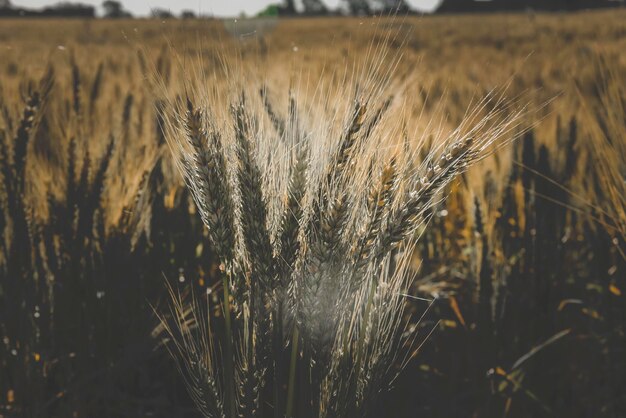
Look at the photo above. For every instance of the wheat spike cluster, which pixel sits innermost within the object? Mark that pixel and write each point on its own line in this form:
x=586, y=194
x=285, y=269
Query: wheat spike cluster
x=312, y=208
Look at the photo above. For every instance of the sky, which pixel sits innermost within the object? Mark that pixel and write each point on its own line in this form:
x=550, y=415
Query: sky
x=222, y=8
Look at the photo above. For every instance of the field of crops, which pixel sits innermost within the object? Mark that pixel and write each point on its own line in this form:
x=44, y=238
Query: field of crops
x=469, y=171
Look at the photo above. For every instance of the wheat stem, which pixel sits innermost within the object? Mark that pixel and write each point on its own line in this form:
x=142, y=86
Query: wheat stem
x=292, y=372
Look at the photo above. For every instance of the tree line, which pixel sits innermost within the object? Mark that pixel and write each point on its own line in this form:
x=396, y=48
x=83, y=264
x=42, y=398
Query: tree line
x=464, y=6
x=115, y=9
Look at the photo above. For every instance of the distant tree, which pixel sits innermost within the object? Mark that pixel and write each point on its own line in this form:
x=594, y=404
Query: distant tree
x=69, y=9
x=161, y=13
x=5, y=4
x=447, y=6
x=391, y=6
x=314, y=7
x=270, y=11
x=188, y=14
x=290, y=7
x=113, y=9
x=357, y=7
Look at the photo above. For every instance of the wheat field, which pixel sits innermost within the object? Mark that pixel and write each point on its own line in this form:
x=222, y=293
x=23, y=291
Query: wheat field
x=329, y=217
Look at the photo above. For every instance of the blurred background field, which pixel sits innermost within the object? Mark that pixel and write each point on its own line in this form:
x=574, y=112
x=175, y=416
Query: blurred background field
x=527, y=256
